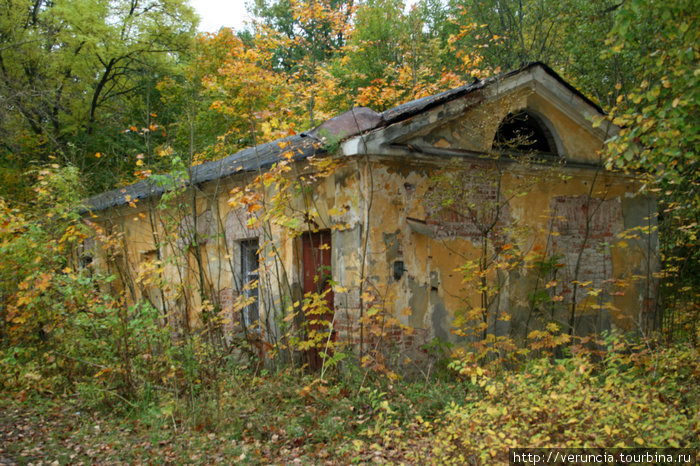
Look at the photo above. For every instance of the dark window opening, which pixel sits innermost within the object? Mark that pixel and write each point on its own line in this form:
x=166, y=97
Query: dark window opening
x=249, y=273
x=85, y=260
x=523, y=132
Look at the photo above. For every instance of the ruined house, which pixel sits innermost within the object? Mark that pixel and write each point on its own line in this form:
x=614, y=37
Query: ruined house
x=485, y=207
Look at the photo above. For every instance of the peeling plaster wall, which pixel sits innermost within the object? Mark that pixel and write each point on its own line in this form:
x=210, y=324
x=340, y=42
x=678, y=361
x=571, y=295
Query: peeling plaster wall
x=430, y=290
x=219, y=232
x=550, y=216
x=576, y=213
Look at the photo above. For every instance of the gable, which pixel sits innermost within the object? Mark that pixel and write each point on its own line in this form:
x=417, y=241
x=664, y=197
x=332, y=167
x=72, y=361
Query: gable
x=468, y=123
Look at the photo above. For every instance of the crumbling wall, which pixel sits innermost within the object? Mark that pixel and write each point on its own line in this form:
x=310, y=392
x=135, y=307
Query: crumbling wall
x=573, y=214
x=403, y=243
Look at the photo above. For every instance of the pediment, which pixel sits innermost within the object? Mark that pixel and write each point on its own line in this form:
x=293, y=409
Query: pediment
x=467, y=124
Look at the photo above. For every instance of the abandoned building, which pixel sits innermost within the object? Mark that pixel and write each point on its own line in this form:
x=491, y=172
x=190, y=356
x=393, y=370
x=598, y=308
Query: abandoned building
x=489, y=202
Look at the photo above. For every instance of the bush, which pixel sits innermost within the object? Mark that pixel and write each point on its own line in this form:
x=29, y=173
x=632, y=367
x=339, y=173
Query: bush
x=631, y=398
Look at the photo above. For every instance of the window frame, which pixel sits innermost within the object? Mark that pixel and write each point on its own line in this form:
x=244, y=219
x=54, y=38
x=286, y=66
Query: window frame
x=249, y=270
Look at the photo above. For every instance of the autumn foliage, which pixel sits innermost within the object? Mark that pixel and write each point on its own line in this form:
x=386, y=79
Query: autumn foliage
x=98, y=95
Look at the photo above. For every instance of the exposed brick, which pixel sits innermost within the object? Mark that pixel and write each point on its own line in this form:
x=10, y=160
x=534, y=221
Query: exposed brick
x=572, y=237
x=463, y=220
x=227, y=297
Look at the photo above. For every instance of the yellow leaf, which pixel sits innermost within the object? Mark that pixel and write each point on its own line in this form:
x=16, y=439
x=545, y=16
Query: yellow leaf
x=44, y=283
x=552, y=327
x=102, y=372
x=639, y=440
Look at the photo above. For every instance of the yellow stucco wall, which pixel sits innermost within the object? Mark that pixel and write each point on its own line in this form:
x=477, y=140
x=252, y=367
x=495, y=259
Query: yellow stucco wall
x=382, y=195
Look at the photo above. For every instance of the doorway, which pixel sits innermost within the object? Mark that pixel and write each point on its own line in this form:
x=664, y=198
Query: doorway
x=317, y=278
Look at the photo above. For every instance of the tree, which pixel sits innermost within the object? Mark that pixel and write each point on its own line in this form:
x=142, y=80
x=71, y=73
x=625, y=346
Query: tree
x=193, y=124
x=393, y=56
x=306, y=28
x=660, y=136
x=72, y=73
x=500, y=35
x=257, y=101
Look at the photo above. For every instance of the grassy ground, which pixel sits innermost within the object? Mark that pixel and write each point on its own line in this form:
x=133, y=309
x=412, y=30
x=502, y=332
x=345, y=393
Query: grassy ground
x=52, y=434
x=647, y=399
x=272, y=419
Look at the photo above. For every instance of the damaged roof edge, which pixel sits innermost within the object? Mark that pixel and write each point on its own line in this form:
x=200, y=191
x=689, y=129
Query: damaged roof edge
x=250, y=159
x=409, y=109
x=563, y=82
x=348, y=124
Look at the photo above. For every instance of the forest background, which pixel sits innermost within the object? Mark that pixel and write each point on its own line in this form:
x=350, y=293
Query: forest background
x=97, y=94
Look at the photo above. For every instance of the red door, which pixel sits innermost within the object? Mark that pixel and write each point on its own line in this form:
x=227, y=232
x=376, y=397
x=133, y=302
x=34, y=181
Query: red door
x=316, y=268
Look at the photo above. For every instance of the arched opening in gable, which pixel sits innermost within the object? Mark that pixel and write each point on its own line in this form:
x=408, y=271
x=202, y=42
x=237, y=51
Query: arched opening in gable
x=524, y=131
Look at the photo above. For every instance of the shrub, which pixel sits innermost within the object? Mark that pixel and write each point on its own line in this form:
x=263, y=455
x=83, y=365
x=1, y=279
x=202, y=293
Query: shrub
x=631, y=398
